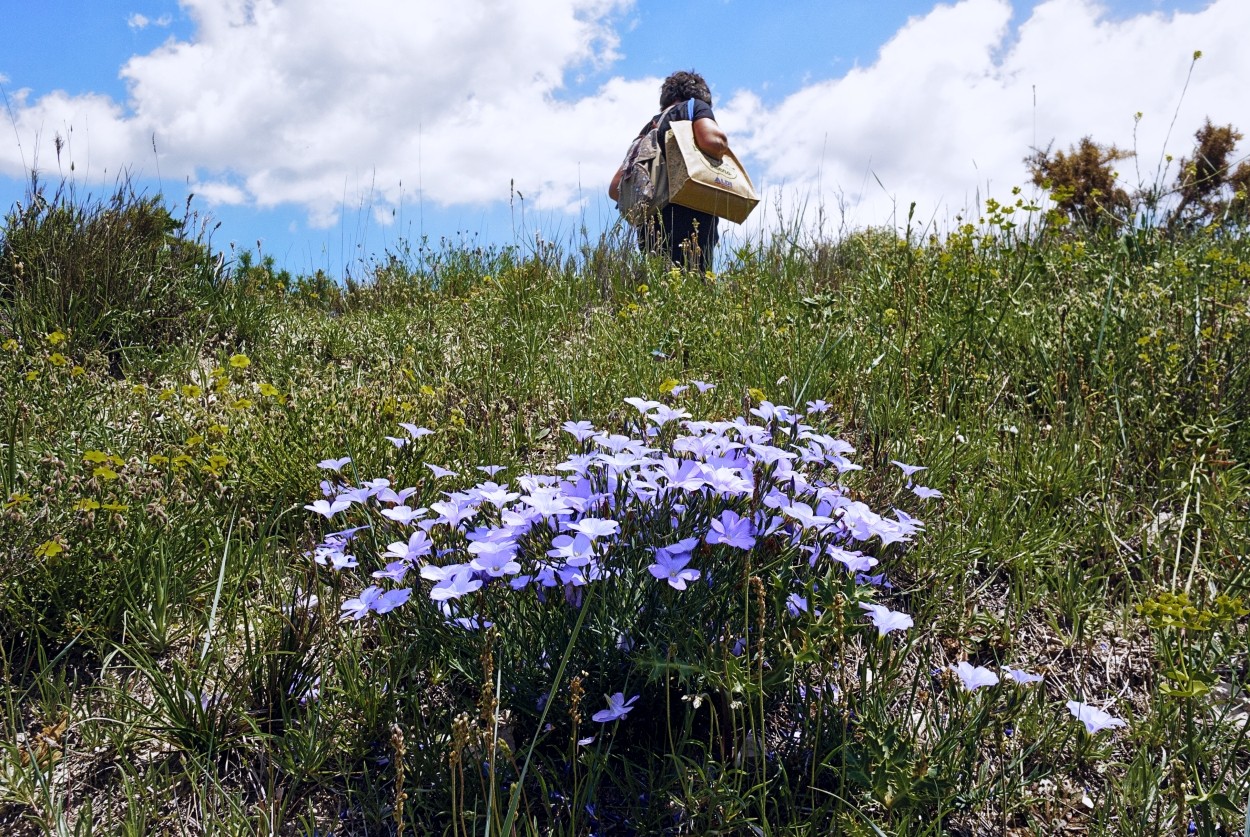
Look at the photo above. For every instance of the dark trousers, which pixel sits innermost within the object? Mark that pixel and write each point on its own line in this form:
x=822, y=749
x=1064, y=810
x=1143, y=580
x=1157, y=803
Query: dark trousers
x=688, y=236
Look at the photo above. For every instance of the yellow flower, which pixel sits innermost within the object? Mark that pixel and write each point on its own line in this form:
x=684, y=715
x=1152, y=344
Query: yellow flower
x=216, y=463
x=667, y=385
x=116, y=507
x=757, y=395
x=106, y=473
x=195, y=440
x=57, y=337
x=167, y=394
x=218, y=430
x=426, y=389
x=32, y=375
x=139, y=389
x=158, y=459
x=86, y=504
x=10, y=345
x=48, y=549
x=240, y=361
x=191, y=391
x=77, y=371
x=218, y=372
x=95, y=457
x=269, y=391
x=16, y=500
x=242, y=404
x=58, y=359
x=181, y=460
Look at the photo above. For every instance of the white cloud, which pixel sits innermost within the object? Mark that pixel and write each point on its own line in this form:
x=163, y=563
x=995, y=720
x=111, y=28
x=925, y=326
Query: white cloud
x=321, y=104
x=946, y=113
x=316, y=102
x=138, y=21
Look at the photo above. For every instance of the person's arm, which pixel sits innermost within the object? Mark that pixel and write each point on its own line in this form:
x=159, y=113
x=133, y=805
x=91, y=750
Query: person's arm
x=710, y=138
x=614, y=188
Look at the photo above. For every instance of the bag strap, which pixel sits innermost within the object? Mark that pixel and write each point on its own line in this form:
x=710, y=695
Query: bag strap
x=690, y=110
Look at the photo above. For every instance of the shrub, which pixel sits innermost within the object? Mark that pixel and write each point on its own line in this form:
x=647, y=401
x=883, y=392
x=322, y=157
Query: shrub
x=114, y=273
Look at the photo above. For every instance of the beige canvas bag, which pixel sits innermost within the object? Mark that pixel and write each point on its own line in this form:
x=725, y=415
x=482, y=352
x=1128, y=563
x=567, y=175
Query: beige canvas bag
x=698, y=181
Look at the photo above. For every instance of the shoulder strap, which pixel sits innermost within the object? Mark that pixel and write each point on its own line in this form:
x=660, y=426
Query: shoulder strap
x=690, y=110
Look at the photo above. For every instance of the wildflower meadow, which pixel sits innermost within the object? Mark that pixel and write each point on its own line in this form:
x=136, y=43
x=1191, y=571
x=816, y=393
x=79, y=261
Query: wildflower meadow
x=876, y=533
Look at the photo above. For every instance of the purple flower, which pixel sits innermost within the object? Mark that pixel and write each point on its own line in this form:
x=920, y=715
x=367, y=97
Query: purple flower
x=547, y=502
x=459, y=584
x=359, y=607
x=414, y=431
x=908, y=522
x=490, y=470
x=817, y=406
x=579, y=430
x=395, y=571
x=594, y=527
x=664, y=414
x=335, y=465
x=403, y=515
x=885, y=619
x=618, y=708
x=494, y=558
x=673, y=569
x=727, y=481
x=334, y=558
x=418, y=546
x=439, y=471
x=452, y=513
x=642, y=405
x=878, y=580
x=974, y=677
x=392, y=599
x=328, y=508
x=1021, y=677
x=806, y=518
x=767, y=411
x=703, y=386
x=1095, y=719
x=732, y=530
x=576, y=550
x=908, y=470
x=796, y=604
x=497, y=495
x=855, y=562
x=390, y=495
x=925, y=493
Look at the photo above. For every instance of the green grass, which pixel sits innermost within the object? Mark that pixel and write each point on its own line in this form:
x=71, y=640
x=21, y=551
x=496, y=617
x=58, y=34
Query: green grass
x=1080, y=401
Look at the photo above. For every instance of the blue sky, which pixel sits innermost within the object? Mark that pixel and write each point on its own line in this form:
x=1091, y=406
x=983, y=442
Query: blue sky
x=331, y=135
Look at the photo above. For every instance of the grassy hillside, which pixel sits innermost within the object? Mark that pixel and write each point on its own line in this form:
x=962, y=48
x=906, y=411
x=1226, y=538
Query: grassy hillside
x=178, y=652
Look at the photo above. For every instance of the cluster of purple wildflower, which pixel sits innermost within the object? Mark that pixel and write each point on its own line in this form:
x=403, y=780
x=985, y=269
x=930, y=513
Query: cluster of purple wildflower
x=760, y=477
x=682, y=490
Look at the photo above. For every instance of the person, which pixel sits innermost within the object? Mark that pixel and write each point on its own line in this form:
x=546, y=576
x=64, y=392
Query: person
x=688, y=235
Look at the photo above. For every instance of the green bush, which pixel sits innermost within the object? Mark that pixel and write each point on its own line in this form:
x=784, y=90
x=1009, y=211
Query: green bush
x=113, y=273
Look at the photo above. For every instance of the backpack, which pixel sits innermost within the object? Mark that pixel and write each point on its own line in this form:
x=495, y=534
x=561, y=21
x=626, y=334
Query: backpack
x=644, y=184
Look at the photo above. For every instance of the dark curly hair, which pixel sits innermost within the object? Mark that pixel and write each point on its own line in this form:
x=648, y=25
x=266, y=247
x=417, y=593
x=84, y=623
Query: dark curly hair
x=683, y=85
